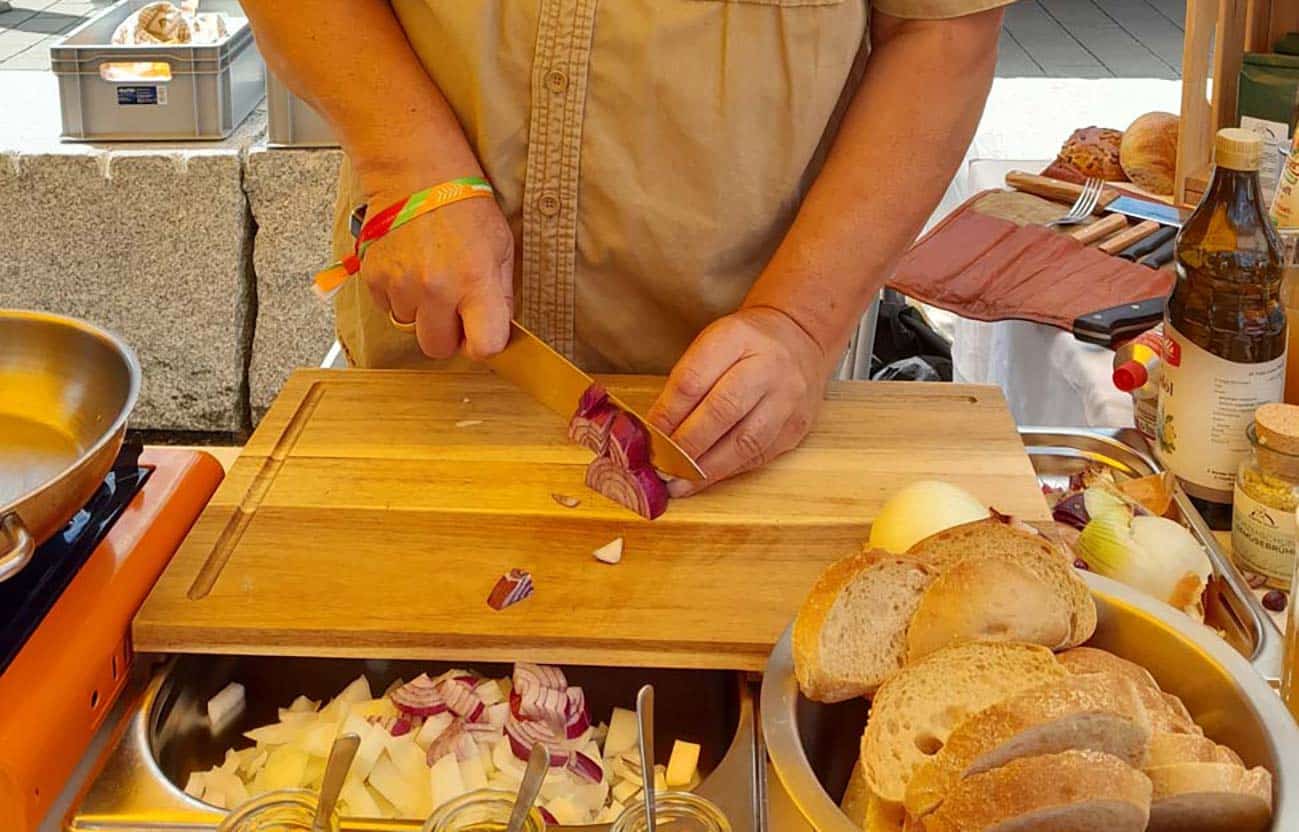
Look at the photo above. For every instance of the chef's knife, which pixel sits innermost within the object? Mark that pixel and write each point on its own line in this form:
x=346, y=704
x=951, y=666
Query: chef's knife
x=1145, y=209
x=550, y=378
x=1113, y=326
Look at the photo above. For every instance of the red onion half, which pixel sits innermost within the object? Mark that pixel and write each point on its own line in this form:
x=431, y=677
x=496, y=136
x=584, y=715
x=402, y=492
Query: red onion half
x=628, y=443
x=639, y=489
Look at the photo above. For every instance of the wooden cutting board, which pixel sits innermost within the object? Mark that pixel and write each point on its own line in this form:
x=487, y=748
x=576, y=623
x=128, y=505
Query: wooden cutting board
x=372, y=511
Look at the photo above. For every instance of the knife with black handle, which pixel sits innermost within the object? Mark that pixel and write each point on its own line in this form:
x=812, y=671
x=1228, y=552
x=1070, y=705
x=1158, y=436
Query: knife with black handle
x=1111, y=327
x=1150, y=244
x=1159, y=256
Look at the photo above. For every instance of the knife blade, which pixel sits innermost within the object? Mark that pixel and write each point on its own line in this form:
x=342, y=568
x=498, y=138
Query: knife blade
x=1145, y=209
x=533, y=366
x=1113, y=326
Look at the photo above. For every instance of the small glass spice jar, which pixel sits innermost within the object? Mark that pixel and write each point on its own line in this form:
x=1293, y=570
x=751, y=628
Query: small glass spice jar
x=1266, y=496
x=485, y=810
x=286, y=810
x=678, y=811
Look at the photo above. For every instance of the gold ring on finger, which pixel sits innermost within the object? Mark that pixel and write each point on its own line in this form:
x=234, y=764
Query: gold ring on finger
x=404, y=327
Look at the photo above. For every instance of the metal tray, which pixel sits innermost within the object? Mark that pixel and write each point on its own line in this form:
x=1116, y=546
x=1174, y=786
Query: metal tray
x=138, y=787
x=1231, y=608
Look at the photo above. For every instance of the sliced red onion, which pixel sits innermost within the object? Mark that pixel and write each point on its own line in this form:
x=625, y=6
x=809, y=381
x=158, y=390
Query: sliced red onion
x=545, y=705
x=468, y=679
x=527, y=674
x=1072, y=511
x=639, y=489
x=592, y=432
x=418, y=697
x=446, y=743
x=484, y=729
x=592, y=398
x=547, y=816
x=628, y=443
x=585, y=768
x=496, y=715
x=462, y=700
x=521, y=740
x=466, y=747
x=401, y=726
x=579, y=719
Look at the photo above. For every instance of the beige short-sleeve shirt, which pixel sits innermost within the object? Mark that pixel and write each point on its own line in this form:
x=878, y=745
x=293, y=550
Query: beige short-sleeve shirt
x=649, y=154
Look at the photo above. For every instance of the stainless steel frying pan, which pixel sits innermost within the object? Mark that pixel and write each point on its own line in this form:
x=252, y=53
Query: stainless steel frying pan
x=66, y=390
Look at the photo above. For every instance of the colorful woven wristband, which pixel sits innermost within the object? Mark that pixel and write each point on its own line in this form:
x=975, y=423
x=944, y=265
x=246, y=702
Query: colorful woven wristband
x=327, y=282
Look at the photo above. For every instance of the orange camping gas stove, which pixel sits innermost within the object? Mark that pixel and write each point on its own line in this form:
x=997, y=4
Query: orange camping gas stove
x=65, y=619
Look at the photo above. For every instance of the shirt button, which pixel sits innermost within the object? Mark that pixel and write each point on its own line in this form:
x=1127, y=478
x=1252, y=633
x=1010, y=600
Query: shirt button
x=557, y=81
x=548, y=204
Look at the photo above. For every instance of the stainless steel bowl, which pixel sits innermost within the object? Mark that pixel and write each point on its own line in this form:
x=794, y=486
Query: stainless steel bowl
x=66, y=390
x=812, y=747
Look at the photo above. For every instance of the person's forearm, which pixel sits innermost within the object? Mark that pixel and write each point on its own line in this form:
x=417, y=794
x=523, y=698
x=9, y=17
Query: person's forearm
x=900, y=143
x=351, y=61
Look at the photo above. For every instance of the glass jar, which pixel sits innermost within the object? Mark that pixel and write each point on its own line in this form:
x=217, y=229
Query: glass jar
x=287, y=810
x=1266, y=496
x=485, y=810
x=678, y=811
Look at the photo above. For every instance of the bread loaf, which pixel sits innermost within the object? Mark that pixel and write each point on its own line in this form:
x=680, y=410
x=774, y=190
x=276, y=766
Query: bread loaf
x=1088, y=152
x=1210, y=797
x=915, y=711
x=1167, y=713
x=1168, y=749
x=1148, y=152
x=850, y=632
x=1098, y=712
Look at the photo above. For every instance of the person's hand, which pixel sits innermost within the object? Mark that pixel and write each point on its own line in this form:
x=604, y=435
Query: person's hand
x=745, y=392
x=450, y=272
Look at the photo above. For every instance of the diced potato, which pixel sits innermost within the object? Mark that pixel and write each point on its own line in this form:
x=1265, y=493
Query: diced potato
x=314, y=774
x=357, y=691
x=196, y=783
x=411, y=798
x=383, y=708
x=509, y=766
x=224, y=708
x=215, y=798
x=284, y=768
x=228, y=785
x=231, y=763
x=278, y=733
x=409, y=757
x=590, y=796
x=661, y=778
x=489, y=690
x=432, y=729
x=320, y=739
x=445, y=780
x=473, y=772
x=386, y=809
x=485, y=754
x=622, y=732
x=566, y=811
x=298, y=717
x=304, y=705
x=599, y=732
x=357, y=801
x=682, y=763
x=374, y=739
x=557, y=783
x=625, y=767
x=610, y=813
x=626, y=791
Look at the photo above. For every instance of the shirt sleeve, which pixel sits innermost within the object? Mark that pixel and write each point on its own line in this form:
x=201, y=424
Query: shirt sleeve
x=935, y=9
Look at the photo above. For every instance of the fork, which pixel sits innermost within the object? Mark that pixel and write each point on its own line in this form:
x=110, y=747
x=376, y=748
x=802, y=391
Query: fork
x=1083, y=206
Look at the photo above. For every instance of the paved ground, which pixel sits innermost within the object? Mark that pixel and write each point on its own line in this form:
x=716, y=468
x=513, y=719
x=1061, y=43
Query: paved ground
x=1042, y=38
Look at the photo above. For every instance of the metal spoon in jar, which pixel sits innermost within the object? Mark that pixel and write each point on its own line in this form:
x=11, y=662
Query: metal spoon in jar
x=645, y=740
x=340, y=762
x=533, y=775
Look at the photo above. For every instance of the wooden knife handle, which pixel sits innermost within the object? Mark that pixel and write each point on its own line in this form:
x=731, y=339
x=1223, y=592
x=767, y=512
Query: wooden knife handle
x=1056, y=190
x=1100, y=229
x=1123, y=239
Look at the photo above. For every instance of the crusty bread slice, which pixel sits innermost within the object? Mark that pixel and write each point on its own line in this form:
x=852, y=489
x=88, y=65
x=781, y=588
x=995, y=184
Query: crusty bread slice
x=856, y=796
x=1169, y=749
x=996, y=539
x=1210, y=797
x=1167, y=713
x=1097, y=711
x=988, y=599
x=1074, y=791
x=849, y=634
x=914, y=712
x=882, y=816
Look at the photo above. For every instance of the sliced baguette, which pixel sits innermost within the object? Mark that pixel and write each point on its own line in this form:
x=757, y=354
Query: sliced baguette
x=849, y=634
x=856, y=797
x=1074, y=791
x=988, y=599
x=915, y=711
x=882, y=816
x=1167, y=713
x=1210, y=797
x=1169, y=749
x=993, y=538
x=1097, y=711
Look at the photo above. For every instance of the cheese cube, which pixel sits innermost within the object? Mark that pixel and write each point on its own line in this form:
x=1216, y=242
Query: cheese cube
x=622, y=732
x=626, y=791
x=682, y=763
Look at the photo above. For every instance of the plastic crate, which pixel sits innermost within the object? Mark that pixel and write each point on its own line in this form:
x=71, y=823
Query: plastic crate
x=291, y=122
x=210, y=90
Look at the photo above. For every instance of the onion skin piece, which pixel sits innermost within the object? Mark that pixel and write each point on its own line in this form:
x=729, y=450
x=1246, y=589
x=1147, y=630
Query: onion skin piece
x=639, y=489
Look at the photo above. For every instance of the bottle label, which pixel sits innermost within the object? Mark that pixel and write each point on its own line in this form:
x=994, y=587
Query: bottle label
x=1285, y=202
x=1205, y=405
x=1145, y=414
x=1262, y=538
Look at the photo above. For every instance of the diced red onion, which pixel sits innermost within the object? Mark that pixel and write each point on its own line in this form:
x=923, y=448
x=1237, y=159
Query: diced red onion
x=547, y=816
x=462, y=700
x=639, y=489
x=585, y=768
x=579, y=719
x=418, y=697
x=401, y=726
x=527, y=674
x=446, y=743
x=628, y=443
x=522, y=739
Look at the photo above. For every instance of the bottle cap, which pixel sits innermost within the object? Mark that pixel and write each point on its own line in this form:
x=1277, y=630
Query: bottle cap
x=1237, y=149
x=1130, y=375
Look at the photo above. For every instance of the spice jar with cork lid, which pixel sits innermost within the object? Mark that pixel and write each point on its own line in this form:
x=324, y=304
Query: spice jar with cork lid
x=1263, y=529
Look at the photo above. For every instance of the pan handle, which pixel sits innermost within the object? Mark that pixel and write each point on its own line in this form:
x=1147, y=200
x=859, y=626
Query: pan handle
x=20, y=544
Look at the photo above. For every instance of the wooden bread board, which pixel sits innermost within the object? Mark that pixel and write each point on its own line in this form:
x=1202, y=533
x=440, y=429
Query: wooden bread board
x=361, y=521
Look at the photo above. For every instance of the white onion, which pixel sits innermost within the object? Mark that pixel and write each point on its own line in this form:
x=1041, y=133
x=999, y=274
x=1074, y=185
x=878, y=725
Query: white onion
x=922, y=509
